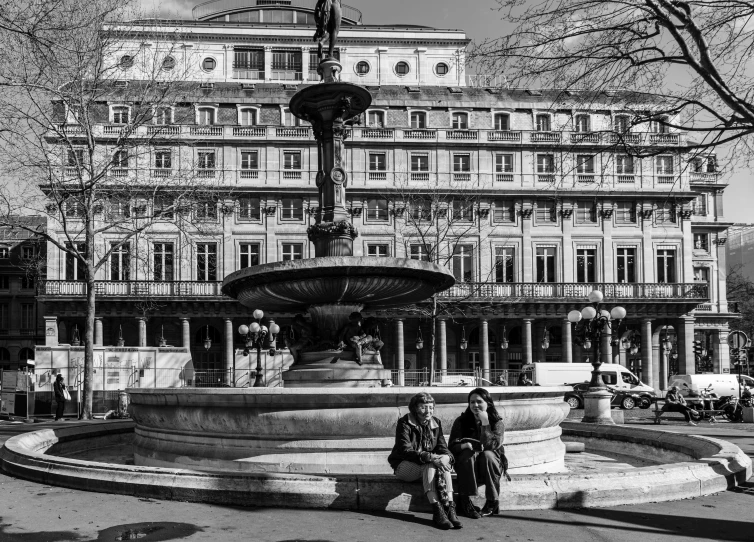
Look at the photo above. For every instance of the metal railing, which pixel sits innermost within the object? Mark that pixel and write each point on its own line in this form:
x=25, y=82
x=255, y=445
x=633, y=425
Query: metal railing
x=122, y=288
x=454, y=377
x=569, y=290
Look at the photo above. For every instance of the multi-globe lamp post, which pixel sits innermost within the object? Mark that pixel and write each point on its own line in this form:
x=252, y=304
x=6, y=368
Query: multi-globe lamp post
x=591, y=322
x=255, y=334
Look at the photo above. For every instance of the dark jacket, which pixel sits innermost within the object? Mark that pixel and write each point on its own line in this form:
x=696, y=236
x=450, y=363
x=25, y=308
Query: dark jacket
x=408, y=437
x=466, y=427
x=58, y=386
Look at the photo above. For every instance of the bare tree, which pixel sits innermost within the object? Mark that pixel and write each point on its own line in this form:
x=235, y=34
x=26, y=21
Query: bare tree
x=740, y=289
x=695, y=57
x=85, y=117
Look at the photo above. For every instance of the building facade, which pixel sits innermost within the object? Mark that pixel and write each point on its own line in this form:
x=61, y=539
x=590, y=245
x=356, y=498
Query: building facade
x=544, y=202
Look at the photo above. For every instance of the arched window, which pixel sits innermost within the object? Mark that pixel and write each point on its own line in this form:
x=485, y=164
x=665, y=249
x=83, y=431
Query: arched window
x=207, y=331
x=4, y=355
x=25, y=355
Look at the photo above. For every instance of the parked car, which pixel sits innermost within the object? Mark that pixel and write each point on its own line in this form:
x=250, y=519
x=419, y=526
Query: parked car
x=624, y=399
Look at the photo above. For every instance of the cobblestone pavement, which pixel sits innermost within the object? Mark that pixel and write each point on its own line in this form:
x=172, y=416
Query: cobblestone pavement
x=32, y=512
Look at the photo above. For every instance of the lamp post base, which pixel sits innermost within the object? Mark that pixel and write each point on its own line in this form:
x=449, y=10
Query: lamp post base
x=597, y=407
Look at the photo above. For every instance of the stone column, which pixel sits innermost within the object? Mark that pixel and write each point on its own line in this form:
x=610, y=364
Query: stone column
x=567, y=346
x=720, y=351
x=142, y=331
x=484, y=347
x=442, y=346
x=268, y=63
x=400, y=357
x=186, y=333
x=606, y=349
x=528, y=350
x=51, y=331
x=685, y=337
x=98, y=336
x=229, y=354
x=647, y=373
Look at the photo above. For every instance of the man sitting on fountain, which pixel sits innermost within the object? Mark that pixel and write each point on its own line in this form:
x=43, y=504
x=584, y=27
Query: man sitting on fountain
x=354, y=336
x=303, y=335
x=420, y=452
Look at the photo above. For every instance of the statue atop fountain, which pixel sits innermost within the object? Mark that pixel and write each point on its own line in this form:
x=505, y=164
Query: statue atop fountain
x=327, y=16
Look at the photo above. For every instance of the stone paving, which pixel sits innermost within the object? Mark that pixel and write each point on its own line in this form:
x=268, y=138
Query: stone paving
x=31, y=512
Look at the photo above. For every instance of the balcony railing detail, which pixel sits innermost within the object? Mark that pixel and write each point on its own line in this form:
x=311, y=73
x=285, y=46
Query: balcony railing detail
x=164, y=130
x=378, y=176
x=628, y=139
x=294, y=133
x=546, y=179
x=507, y=291
x=464, y=135
x=705, y=177
x=504, y=177
x=255, y=75
x=377, y=133
x=161, y=173
x=545, y=137
x=665, y=179
x=664, y=139
x=211, y=131
x=579, y=292
x=419, y=134
x=499, y=135
x=626, y=179
x=249, y=131
x=462, y=177
x=249, y=173
x=419, y=176
x=585, y=137
x=286, y=75
x=585, y=178
x=291, y=174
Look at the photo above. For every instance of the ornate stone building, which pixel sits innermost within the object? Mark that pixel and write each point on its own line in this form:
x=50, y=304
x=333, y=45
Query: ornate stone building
x=548, y=202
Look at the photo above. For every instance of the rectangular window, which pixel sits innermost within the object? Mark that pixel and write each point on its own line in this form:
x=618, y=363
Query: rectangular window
x=545, y=163
x=292, y=160
x=700, y=205
x=120, y=115
x=163, y=260
x=504, y=163
x=377, y=161
x=377, y=209
x=205, y=210
x=585, y=164
x=626, y=264
x=502, y=122
x=701, y=241
x=504, y=212
x=504, y=264
x=586, y=212
x=248, y=59
x=4, y=253
x=622, y=124
x=292, y=251
x=163, y=159
x=463, y=210
x=419, y=162
x=666, y=265
x=206, y=160
x=461, y=163
x=286, y=60
x=586, y=265
x=292, y=209
x=460, y=121
x=419, y=251
x=625, y=212
x=664, y=165
x=624, y=164
x=659, y=126
x=4, y=316
x=421, y=210
x=164, y=208
x=701, y=274
x=74, y=267
x=379, y=251
x=120, y=159
x=665, y=214
x=27, y=316
x=249, y=209
x=546, y=264
x=27, y=253
x=543, y=123
x=120, y=261
x=582, y=123
x=546, y=212
x=463, y=263
x=418, y=120
x=206, y=262
x=247, y=117
x=162, y=116
x=376, y=119
x=75, y=158
x=27, y=282
x=248, y=255
x=249, y=160
x=4, y=282
x=206, y=116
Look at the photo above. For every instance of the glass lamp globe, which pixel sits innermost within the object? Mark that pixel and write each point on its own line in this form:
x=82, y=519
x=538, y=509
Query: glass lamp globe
x=587, y=313
x=618, y=313
x=574, y=317
x=464, y=344
x=596, y=296
x=545, y=344
x=243, y=329
x=419, y=344
x=634, y=350
x=274, y=329
x=605, y=314
x=587, y=344
x=207, y=343
x=504, y=344
x=264, y=329
x=258, y=314
x=254, y=327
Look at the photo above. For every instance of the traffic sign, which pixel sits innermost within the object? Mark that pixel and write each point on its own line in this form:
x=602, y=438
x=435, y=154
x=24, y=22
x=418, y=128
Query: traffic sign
x=737, y=339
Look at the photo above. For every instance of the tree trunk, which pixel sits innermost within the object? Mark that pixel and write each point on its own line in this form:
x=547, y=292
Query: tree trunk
x=86, y=413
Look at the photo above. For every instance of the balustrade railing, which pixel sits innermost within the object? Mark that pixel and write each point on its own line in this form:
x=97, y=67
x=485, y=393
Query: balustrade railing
x=569, y=290
x=129, y=288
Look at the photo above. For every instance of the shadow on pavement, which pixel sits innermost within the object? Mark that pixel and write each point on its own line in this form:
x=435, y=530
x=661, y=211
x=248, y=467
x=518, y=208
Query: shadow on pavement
x=47, y=536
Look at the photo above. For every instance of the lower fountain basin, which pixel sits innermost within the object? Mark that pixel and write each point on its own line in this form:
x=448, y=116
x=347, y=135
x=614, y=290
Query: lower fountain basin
x=324, y=430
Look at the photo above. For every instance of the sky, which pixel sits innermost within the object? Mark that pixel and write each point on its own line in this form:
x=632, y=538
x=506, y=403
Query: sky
x=481, y=20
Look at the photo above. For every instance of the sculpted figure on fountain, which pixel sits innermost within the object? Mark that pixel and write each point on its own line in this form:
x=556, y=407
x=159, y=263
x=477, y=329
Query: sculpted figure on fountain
x=302, y=337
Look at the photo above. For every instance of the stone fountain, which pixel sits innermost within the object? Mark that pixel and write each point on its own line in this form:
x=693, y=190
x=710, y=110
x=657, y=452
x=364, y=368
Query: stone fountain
x=336, y=348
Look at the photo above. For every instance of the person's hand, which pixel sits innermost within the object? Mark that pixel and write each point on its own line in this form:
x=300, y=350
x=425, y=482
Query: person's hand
x=467, y=446
x=483, y=417
x=441, y=462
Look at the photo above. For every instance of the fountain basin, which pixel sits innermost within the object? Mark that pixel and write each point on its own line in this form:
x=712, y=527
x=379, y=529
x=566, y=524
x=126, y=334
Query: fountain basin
x=324, y=430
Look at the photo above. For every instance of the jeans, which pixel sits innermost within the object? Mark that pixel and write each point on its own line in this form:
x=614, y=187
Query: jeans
x=476, y=468
x=411, y=472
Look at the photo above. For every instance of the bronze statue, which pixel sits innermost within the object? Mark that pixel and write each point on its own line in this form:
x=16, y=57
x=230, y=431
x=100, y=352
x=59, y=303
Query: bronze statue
x=302, y=336
x=327, y=15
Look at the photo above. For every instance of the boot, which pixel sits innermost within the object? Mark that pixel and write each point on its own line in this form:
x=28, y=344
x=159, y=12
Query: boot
x=467, y=508
x=439, y=518
x=491, y=508
x=450, y=510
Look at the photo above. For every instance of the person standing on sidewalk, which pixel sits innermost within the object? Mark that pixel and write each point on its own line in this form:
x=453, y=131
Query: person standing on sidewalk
x=60, y=396
x=674, y=402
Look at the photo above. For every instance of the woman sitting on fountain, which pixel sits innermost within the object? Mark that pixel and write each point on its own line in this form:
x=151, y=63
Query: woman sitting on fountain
x=476, y=441
x=420, y=451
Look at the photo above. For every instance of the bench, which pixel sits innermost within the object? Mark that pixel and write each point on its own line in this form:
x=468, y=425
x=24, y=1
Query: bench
x=710, y=414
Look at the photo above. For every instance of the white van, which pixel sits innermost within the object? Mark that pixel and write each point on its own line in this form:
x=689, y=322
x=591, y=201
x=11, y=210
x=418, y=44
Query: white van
x=613, y=374
x=721, y=384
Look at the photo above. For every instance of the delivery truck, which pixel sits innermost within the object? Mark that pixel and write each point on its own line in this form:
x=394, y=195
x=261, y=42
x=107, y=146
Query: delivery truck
x=614, y=375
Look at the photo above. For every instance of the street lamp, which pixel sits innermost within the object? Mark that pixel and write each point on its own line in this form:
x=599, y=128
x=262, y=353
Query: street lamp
x=503, y=340
x=255, y=335
x=545, y=339
x=590, y=322
x=207, y=340
x=419, y=339
x=464, y=343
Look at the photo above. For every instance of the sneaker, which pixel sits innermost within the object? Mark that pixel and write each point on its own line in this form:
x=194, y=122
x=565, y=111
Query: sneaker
x=691, y=423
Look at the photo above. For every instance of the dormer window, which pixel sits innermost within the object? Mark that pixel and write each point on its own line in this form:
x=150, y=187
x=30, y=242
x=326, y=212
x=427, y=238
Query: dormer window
x=460, y=121
x=659, y=125
x=163, y=116
x=289, y=119
x=206, y=116
x=622, y=124
x=247, y=117
x=582, y=123
x=120, y=115
x=418, y=120
x=543, y=123
x=502, y=122
x=376, y=119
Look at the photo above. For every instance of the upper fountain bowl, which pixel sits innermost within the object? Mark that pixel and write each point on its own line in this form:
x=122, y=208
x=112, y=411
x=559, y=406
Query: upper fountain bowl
x=372, y=282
